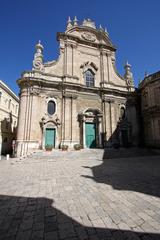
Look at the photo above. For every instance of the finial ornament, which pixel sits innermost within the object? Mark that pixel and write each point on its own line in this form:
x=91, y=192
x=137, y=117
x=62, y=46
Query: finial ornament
x=128, y=76
x=100, y=27
x=69, y=23
x=106, y=32
x=75, y=21
x=39, y=46
x=146, y=74
x=38, y=57
x=69, y=20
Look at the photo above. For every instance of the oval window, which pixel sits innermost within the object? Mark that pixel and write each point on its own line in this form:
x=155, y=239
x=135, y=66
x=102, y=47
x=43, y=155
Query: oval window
x=51, y=107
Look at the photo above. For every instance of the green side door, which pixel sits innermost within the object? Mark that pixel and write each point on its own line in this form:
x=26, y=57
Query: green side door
x=50, y=137
x=90, y=135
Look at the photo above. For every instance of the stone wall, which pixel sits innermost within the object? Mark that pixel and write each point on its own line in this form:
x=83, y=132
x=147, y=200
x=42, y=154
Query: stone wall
x=9, y=106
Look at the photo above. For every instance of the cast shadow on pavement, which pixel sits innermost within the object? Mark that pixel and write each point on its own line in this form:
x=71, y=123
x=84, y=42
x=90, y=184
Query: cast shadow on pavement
x=26, y=218
x=135, y=173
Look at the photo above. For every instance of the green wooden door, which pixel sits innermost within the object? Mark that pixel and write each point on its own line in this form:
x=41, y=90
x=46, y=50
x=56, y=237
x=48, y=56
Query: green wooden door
x=50, y=137
x=90, y=135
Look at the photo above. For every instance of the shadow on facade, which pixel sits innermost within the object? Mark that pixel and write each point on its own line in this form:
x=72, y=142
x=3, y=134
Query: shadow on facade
x=36, y=218
x=124, y=166
x=8, y=134
x=129, y=128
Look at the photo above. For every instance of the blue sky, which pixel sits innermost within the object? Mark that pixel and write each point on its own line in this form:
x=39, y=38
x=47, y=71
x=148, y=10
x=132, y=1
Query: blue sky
x=133, y=26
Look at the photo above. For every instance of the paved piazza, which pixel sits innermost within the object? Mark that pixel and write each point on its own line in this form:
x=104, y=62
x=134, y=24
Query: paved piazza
x=87, y=194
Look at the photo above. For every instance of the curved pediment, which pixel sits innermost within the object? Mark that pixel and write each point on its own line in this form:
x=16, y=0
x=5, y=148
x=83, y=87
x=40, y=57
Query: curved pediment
x=88, y=34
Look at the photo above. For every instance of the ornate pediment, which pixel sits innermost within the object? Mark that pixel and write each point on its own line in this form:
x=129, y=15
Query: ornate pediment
x=86, y=33
x=50, y=121
x=89, y=65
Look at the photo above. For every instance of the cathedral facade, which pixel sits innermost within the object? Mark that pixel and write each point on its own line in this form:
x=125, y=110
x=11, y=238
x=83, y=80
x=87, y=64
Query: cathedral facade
x=79, y=98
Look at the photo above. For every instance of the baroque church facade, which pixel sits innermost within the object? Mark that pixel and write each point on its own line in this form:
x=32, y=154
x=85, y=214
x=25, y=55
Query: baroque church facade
x=78, y=99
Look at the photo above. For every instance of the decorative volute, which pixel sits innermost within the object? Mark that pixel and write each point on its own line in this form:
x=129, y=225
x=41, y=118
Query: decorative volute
x=38, y=57
x=128, y=75
x=69, y=23
x=75, y=21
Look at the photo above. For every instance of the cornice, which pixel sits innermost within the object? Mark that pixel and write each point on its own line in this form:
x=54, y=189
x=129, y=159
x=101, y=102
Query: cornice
x=150, y=79
x=30, y=82
x=40, y=77
x=9, y=91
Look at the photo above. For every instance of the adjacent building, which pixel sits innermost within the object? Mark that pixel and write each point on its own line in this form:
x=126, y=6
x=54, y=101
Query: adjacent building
x=9, y=105
x=150, y=109
x=80, y=97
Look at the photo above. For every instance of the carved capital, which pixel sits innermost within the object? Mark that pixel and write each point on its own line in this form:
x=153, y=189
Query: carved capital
x=34, y=91
x=70, y=95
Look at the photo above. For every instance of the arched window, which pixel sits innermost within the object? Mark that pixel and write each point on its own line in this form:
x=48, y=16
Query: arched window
x=51, y=107
x=122, y=113
x=89, y=77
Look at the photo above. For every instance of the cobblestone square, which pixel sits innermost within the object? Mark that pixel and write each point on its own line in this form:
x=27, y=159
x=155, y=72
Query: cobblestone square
x=87, y=194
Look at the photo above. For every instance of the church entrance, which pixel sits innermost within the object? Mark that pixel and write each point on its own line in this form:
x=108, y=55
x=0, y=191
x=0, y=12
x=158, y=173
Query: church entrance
x=50, y=137
x=90, y=135
x=90, y=128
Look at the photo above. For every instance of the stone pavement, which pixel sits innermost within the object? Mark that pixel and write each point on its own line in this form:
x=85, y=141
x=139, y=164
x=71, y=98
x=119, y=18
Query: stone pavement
x=85, y=194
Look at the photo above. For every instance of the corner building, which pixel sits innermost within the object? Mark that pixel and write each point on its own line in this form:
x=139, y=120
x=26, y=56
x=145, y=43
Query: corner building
x=80, y=98
x=150, y=109
x=9, y=104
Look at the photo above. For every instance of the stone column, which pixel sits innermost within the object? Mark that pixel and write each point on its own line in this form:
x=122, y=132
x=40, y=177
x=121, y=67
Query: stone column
x=108, y=121
x=104, y=121
x=34, y=130
x=22, y=122
x=63, y=118
x=111, y=117
x=70, y=122
x=101, y=68
x=108, y=66
x=105, y=63
x=100, y=131
x=69, y=59
x=84, y=131
x=67, y=125
x=75, y=129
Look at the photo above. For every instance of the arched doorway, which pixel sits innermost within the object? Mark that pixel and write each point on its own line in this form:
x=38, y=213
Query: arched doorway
x=90, y=128
x=49, y=134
